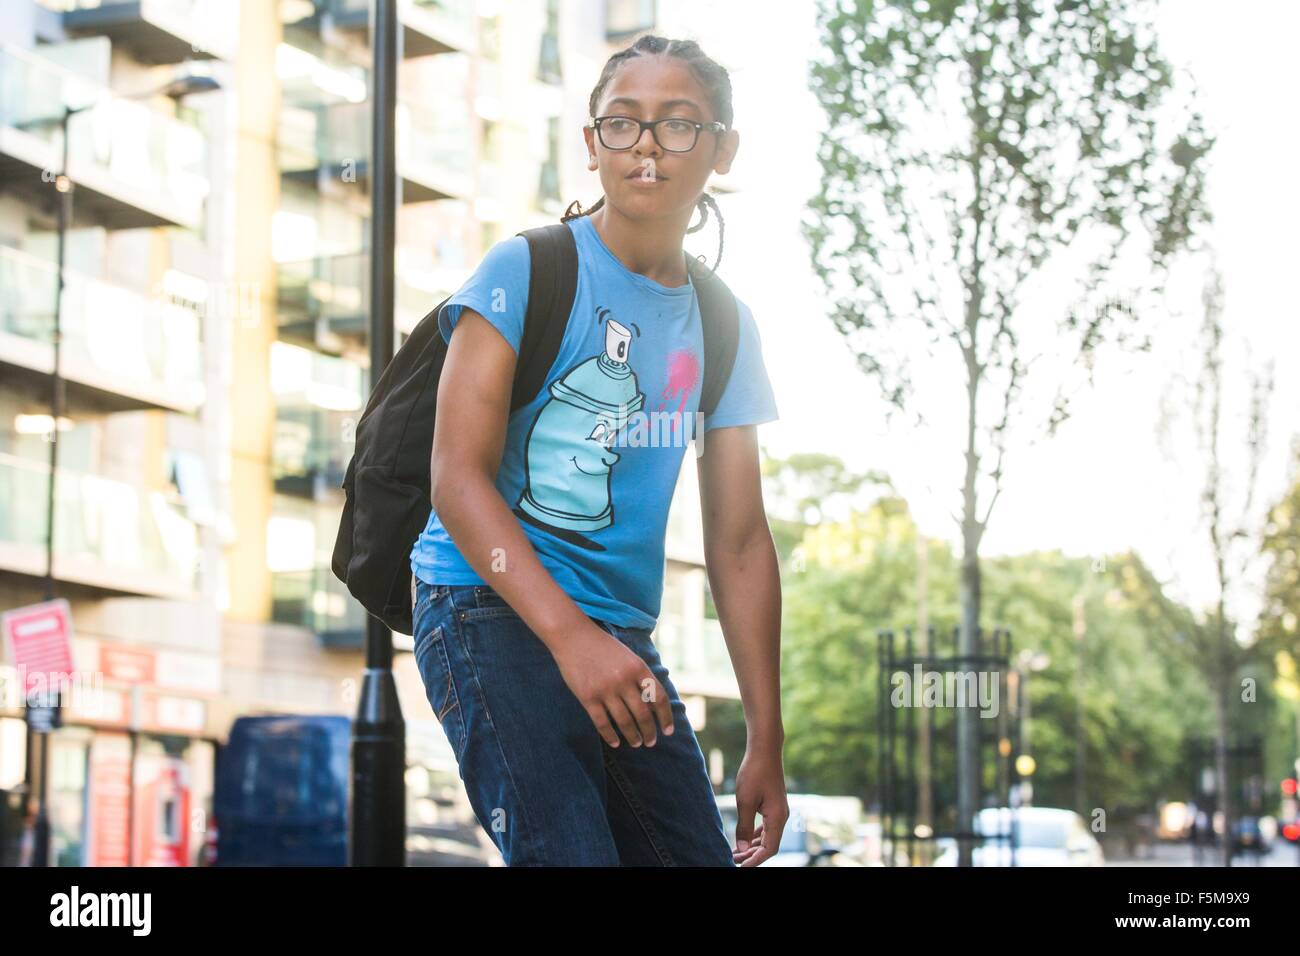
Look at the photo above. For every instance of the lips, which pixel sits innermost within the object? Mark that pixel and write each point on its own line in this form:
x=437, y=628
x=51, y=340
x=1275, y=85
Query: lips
x=640, y=174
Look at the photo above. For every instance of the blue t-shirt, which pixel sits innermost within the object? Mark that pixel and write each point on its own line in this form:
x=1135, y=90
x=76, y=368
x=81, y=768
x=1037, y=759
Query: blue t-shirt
x=589, y=466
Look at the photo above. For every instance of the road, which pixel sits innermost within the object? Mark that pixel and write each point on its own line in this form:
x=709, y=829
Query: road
x=1180, y=854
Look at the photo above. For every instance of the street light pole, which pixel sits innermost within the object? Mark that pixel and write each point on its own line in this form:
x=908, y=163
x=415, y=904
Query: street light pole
x=379, y=731
x=63, y=185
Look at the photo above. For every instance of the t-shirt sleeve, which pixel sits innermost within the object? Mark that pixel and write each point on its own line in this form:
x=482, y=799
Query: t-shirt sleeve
x=498, y=291
x=747, y=398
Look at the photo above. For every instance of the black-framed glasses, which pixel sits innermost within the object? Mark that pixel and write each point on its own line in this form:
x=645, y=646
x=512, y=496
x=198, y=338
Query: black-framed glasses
x=673, y=133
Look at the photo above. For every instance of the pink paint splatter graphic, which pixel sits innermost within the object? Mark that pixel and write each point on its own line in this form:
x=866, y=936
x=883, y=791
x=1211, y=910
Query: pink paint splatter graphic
x=683, y=376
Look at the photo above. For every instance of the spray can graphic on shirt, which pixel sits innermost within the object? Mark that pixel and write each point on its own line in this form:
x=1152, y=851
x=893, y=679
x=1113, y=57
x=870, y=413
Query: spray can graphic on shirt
x=568, y=458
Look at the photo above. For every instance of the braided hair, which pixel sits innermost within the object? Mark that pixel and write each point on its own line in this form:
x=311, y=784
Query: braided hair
x=712, y=76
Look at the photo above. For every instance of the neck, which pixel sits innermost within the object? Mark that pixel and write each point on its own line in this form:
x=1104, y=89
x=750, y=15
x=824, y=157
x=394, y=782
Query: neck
x=652, y=249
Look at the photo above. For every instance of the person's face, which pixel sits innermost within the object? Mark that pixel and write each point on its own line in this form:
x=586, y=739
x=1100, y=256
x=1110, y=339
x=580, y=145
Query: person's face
x=647, y=181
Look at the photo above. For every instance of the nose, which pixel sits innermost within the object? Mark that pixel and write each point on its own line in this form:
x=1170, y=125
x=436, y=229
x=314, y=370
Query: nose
x=647, y=143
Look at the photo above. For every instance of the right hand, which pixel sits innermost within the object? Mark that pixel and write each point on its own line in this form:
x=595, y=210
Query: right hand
x=611, y=681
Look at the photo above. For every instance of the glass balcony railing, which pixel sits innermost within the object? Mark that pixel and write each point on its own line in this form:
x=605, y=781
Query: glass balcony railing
x=155, y=31
x=431, y=26
x=318, y=601
x=113, y=338
x=303, y=378
x=437, y=146
x=311, y=449
x=130, y=534
x=435, y=151
x=325, y=302
x=119, y=148
x=695, y=653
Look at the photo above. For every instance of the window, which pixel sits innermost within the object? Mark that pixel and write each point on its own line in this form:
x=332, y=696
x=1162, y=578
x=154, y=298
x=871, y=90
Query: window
x=548, y=183
x=548, y=67
x=626, y=17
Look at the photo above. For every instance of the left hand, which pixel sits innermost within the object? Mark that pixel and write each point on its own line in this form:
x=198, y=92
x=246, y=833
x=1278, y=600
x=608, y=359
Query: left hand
x=760, y=789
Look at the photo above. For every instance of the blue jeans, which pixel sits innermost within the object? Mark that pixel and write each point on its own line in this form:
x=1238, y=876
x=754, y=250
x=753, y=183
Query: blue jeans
x=542, y=781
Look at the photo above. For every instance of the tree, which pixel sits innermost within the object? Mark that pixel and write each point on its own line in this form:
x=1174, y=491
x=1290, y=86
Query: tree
x=1211, y=643
x=969, y=145
x=804, y=488
x=1279, y=626
x=1142, y=700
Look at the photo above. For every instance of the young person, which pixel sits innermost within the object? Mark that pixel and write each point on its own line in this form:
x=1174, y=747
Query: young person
x=571, y=739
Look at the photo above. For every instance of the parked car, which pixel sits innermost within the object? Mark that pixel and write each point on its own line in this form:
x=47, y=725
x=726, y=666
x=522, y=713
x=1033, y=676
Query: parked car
x=868, y=849
x=1044, y=836
x=1255, y=834
x=821, y=830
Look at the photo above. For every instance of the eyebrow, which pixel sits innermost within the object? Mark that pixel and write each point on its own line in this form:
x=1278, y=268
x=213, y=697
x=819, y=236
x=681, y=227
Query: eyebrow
x=667, y=104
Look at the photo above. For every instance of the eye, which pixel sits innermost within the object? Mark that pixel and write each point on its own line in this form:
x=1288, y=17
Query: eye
x=619, y=124
x=679, y=126
x=598, y=433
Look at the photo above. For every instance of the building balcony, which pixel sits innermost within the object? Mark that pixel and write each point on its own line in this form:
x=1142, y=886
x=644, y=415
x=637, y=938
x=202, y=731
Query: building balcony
x=311, y=450
x=120, y=349
x=695, y=653
x=318, y=400
x=319, y=602
x=154, y=32
x=684, y=536
x=429, y=27
x=109, y=535
x=324, y=303
x=328, y=146
x=133, y=166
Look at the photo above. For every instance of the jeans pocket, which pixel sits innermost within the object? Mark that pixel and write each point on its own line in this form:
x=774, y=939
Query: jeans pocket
x=434, y=665
x=485, y=603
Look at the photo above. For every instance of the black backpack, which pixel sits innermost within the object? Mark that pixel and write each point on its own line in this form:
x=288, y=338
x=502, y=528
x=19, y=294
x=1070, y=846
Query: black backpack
x=386, y=486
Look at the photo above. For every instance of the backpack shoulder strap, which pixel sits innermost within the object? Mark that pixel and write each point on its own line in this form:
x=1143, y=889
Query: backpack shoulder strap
x=552, y=285
x=720, y=318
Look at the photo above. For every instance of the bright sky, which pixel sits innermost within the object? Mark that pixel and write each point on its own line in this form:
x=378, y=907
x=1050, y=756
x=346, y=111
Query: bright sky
x=1104, y=484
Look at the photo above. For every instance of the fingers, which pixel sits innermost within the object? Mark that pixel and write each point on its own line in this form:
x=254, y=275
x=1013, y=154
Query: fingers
x=630, y=705
x=631, y=716
x=636, y=710
x=659, y=703
x=606, y=730
x=751, y=847
x=744, y=827
x=755, y=844
x=756, y=858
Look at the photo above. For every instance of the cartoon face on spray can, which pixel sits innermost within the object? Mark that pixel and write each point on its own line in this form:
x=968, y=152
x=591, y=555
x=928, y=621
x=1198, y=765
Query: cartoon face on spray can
x=569, y=457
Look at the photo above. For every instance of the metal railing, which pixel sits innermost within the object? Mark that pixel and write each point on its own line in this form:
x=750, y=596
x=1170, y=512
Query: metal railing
x=120, y=526
x=318, y=601
x=124, y=335
x=118, y=138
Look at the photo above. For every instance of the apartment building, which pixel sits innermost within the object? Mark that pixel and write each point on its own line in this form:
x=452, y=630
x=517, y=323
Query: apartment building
x=215, y=360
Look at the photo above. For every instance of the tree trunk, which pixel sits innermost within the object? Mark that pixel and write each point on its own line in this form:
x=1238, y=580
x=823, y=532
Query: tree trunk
x=968, y=771
x=1222, y=687
x=924, y=786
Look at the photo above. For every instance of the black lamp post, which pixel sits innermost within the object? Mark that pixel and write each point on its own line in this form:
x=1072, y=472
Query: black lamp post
x=379, y=730
x=182, y=86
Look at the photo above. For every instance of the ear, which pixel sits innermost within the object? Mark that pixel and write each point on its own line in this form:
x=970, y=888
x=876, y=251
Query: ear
x=589, y=135
x=728, y=144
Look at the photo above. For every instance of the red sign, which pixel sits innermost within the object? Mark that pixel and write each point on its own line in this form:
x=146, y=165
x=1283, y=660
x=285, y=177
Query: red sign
x=40, y=643
x=109, y=802
x=130, y=665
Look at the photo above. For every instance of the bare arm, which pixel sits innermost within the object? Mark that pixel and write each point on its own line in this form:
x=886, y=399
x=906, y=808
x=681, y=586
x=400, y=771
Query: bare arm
x=745, y=579
x=468, y=442
x=469, y=434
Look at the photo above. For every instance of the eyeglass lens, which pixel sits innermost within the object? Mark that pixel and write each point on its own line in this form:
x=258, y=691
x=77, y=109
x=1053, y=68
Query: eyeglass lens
x=621, y=132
